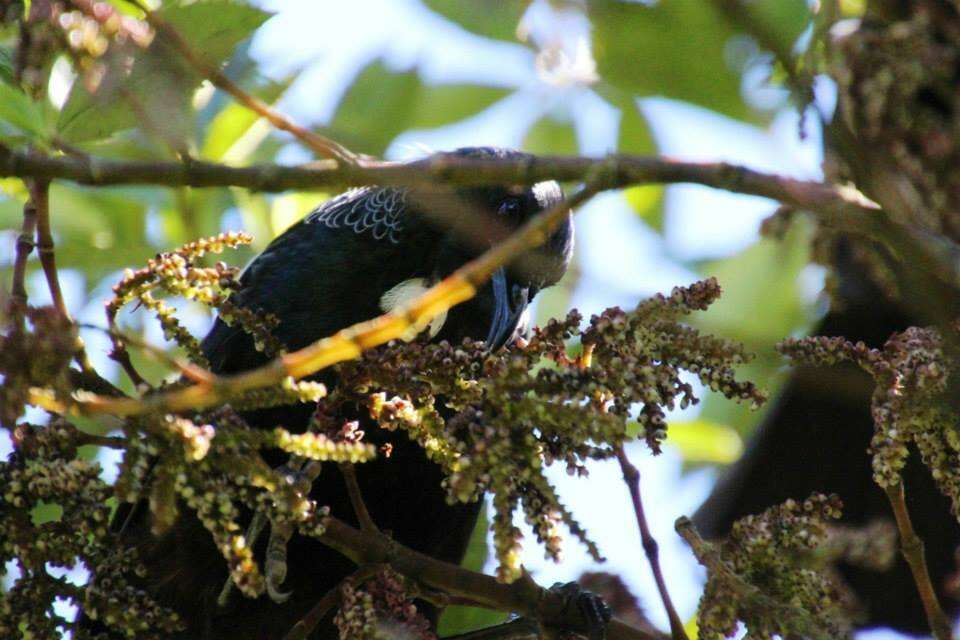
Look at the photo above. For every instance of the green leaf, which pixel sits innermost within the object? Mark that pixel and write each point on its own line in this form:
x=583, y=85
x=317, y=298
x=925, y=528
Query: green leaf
x=497, y=20
x=634, y=136
x=233, y=123
x=761, y=301
x=761, y=304
x=46, y=512
x=19, y=111
x=159, y=86
x=676, y=48
x=705, y=441
x=378, y=106
x=6, y=64
x=458, y=619
x=438, y=105
x=214, y=27
x=381, y=104
x=551, y=137
x=98, y=231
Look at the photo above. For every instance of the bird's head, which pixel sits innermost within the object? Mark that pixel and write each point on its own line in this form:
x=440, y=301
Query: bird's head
x=482, y=216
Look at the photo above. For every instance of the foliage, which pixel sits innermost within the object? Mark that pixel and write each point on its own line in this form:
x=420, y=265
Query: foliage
x=909, y=404
x=759, y=574
x=105, y=80
x=533, y=415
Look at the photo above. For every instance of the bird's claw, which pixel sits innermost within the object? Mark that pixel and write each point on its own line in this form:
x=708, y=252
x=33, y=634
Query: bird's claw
x=588, y=609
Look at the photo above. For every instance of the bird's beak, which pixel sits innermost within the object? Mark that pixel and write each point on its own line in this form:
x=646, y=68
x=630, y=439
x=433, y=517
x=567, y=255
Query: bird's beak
x=509, y=304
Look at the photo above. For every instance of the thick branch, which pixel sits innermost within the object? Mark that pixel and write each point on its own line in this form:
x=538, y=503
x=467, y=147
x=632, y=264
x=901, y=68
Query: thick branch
x=523, y=596
x=618, y=171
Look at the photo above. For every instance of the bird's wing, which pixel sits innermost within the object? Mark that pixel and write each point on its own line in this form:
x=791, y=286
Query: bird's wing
x=378, y=211
x=325, y=272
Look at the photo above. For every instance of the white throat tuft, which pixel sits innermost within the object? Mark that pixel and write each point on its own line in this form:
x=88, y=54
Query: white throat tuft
x=405, y=292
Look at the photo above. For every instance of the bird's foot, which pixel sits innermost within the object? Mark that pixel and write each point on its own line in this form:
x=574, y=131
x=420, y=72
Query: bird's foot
x=300, y=474
x=581, y=612
x=276, y=561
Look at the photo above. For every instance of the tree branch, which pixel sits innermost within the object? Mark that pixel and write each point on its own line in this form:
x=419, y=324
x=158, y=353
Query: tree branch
x=631, y=476
x=25, y=244
x=524, y=596
x=367, y=524
x=619, y=171
x=325, y=147
x=40, y=195
x=912, y=548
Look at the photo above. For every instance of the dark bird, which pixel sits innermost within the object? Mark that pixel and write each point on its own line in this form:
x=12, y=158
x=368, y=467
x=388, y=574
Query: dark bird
x=354, y=257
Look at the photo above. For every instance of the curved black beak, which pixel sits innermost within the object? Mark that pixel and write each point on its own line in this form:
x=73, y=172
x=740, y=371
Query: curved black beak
x=509, y=304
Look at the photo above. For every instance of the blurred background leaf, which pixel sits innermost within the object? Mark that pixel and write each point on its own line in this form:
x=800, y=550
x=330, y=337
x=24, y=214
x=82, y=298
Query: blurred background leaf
x=494, y=20
x=156, y=94
x=458, y=619
x=684, y=49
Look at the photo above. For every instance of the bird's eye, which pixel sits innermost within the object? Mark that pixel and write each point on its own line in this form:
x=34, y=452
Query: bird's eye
x=510, y=207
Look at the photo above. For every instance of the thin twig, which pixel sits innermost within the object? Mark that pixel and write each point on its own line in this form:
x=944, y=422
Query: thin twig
x=326, y=147
x=40, y=195
x=356, y=498
x=305, y=626
x=110, y=442
x=121, y=356
x=346, y=344
x=912, y=548
x=187, y=369
x=631, y=476
x=25, y=244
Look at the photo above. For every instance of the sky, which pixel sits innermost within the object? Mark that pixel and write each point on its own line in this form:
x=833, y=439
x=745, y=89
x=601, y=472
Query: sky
x=326, y=43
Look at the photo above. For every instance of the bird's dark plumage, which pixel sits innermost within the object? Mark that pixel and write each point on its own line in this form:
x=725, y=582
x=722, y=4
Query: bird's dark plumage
x=338, y=266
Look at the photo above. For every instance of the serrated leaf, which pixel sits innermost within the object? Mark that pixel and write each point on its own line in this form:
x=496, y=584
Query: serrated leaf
x=156, y=93
x=21, y=113
x=676, y=48
x=498, y=20
x=705, y=441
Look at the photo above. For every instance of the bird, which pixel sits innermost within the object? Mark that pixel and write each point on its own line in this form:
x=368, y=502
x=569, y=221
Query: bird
x=356, y=256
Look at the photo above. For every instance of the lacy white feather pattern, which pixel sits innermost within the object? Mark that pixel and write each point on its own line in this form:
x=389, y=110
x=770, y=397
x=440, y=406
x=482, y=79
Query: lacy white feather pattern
x=377, y=210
